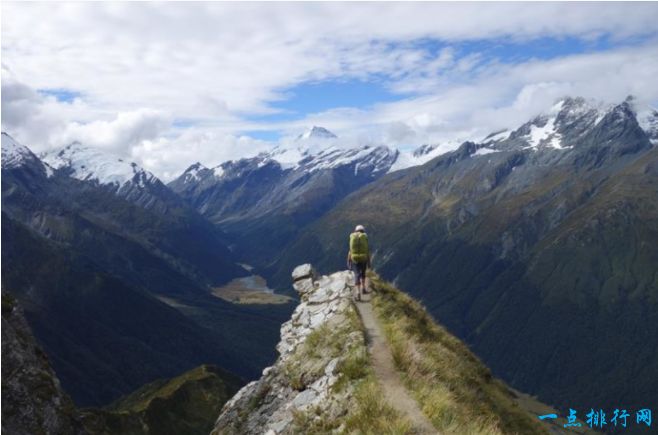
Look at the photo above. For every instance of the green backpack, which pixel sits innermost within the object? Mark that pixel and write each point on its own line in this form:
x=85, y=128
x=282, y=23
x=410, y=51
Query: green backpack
x=359, y=247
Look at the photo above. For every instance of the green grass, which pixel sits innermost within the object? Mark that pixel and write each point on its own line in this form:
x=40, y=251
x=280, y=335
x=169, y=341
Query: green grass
x=372, y=414
x=363, y=410
x=188, y=404
x=453, y=388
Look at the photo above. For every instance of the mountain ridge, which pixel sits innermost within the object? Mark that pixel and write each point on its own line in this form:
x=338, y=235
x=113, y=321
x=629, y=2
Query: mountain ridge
x=324, y=380
x=539, y=237
x=104, y=273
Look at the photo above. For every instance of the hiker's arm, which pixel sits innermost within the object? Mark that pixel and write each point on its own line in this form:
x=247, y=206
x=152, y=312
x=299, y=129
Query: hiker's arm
x=349, y=260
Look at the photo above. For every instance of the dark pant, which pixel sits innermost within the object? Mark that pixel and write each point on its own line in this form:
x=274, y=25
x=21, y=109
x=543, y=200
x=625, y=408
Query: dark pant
x=359, y=270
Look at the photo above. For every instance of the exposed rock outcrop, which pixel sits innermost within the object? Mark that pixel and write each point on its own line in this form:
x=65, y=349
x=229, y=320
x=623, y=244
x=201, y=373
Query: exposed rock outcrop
x=32, y=399
x=310, y=381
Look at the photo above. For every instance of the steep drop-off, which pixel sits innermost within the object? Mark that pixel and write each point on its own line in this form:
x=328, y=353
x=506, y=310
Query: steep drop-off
x=33, y=401
x=328, y=379
x=542, y=258
x=116, y=279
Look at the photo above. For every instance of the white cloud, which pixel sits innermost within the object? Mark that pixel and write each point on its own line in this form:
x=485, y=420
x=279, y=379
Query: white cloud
x=44, y=123
x=139, y=65
x=168, y=157
x=126, y=130
x=502, y=96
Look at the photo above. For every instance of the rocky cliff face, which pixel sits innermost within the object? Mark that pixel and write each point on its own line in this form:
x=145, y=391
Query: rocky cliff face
x=32, y=399
x=311, y=380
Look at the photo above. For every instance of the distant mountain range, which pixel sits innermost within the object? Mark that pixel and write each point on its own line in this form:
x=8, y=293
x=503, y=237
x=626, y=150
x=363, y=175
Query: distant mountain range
x=262, y=202
x=114, y=271
x=538, y=246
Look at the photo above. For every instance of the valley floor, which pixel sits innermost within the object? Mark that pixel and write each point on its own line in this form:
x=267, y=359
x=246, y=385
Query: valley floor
x=249, y=290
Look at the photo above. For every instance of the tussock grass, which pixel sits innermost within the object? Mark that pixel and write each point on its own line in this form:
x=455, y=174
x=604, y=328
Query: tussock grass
x=453, y=388
x=372, y=414
x=365, y=410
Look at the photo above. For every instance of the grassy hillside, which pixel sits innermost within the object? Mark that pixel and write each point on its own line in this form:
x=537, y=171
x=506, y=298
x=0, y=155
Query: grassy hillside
x=187, y=404
x=455, y=390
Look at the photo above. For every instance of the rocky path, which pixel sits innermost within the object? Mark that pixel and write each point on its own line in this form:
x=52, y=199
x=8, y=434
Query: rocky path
x=382, y=361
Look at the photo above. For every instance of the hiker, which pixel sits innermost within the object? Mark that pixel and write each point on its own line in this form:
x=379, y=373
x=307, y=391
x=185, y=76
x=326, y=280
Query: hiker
x=358, y=259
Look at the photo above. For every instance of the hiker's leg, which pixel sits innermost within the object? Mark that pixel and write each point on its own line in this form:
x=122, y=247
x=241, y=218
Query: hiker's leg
x=357, y=282
x=362, y=272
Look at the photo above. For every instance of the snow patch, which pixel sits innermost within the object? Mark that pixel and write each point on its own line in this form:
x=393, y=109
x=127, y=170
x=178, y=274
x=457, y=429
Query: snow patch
x=539, y=134
x=484, y=151
x=287, y=158
x=335, y=157
x=218, y=171
x=556, y=142
x=408, y=159
x=192, y=174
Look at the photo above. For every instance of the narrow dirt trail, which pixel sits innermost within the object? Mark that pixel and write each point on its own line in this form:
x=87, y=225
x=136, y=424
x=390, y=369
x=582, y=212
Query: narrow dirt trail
x=382, y=361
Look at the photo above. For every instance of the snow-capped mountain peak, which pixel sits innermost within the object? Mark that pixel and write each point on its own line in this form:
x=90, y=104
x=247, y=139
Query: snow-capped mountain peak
x=15, y=155
x=91, y=164
x=192, y=174
x=557, y=128
x=317, y=133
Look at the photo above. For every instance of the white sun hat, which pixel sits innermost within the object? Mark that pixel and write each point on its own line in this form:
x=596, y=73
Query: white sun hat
x=360, y=228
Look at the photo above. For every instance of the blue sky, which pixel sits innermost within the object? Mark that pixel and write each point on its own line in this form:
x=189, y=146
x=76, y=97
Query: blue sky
x=233, y=79
x=306, y=98
x=315, y=97
x=63, y=95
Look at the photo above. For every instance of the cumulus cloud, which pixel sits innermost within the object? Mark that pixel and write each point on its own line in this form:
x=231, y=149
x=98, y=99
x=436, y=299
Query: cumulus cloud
x=127, y=129
x=44, y=123
x=168, y=157
x=139, y=68
x=503, y=96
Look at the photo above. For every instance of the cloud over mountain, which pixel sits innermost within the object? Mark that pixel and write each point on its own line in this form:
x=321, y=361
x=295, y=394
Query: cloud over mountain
x=189, y=79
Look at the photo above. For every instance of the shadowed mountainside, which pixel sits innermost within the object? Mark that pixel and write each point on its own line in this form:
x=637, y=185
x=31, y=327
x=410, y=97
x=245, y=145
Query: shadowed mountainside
x=116, y=281
x=542, y=259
